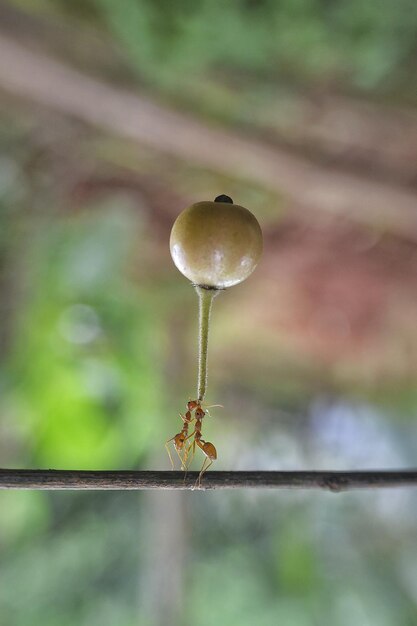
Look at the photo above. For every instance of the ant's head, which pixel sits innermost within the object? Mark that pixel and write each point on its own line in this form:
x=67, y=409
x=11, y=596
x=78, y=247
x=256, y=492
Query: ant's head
x=191, y=405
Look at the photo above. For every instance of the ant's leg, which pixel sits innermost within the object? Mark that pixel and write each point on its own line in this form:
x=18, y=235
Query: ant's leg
x=187, y=450
x=180, y=458
x=169, y=453
x=189, y=436
x=190, y=459
x=211, y=406
x=203, y=471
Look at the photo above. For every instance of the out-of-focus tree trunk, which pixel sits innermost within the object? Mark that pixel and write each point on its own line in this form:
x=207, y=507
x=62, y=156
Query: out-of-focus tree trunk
x=162, y=580
x=162, y=584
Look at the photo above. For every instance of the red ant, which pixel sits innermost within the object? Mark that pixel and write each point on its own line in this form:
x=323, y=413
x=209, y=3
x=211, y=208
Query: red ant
x=207, y=447
x=179, y=440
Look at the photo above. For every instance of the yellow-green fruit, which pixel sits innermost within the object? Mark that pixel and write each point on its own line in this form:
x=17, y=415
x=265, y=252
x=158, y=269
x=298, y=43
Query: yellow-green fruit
x=216, y=244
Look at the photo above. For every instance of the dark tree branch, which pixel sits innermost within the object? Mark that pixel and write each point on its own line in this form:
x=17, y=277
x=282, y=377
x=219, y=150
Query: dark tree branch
x=134, y=480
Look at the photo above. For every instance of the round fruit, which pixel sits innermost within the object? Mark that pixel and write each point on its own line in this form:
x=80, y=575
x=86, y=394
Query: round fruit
x=216, y=244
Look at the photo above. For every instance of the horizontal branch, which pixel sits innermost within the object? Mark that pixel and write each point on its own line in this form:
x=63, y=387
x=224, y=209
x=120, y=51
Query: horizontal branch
x=135, y=480
x=31, y=75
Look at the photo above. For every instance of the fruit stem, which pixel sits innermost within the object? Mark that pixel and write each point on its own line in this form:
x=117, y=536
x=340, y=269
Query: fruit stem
x=205, y=300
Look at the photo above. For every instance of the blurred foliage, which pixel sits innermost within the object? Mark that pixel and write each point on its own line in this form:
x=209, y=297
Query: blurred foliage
x=307, y=561
x=85, y=369
x=362, y=45
x=46, y=577
x=86, y=358
x=84, y=378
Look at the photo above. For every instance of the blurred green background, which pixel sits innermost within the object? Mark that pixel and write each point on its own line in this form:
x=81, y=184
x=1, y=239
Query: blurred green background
x=314, y=358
